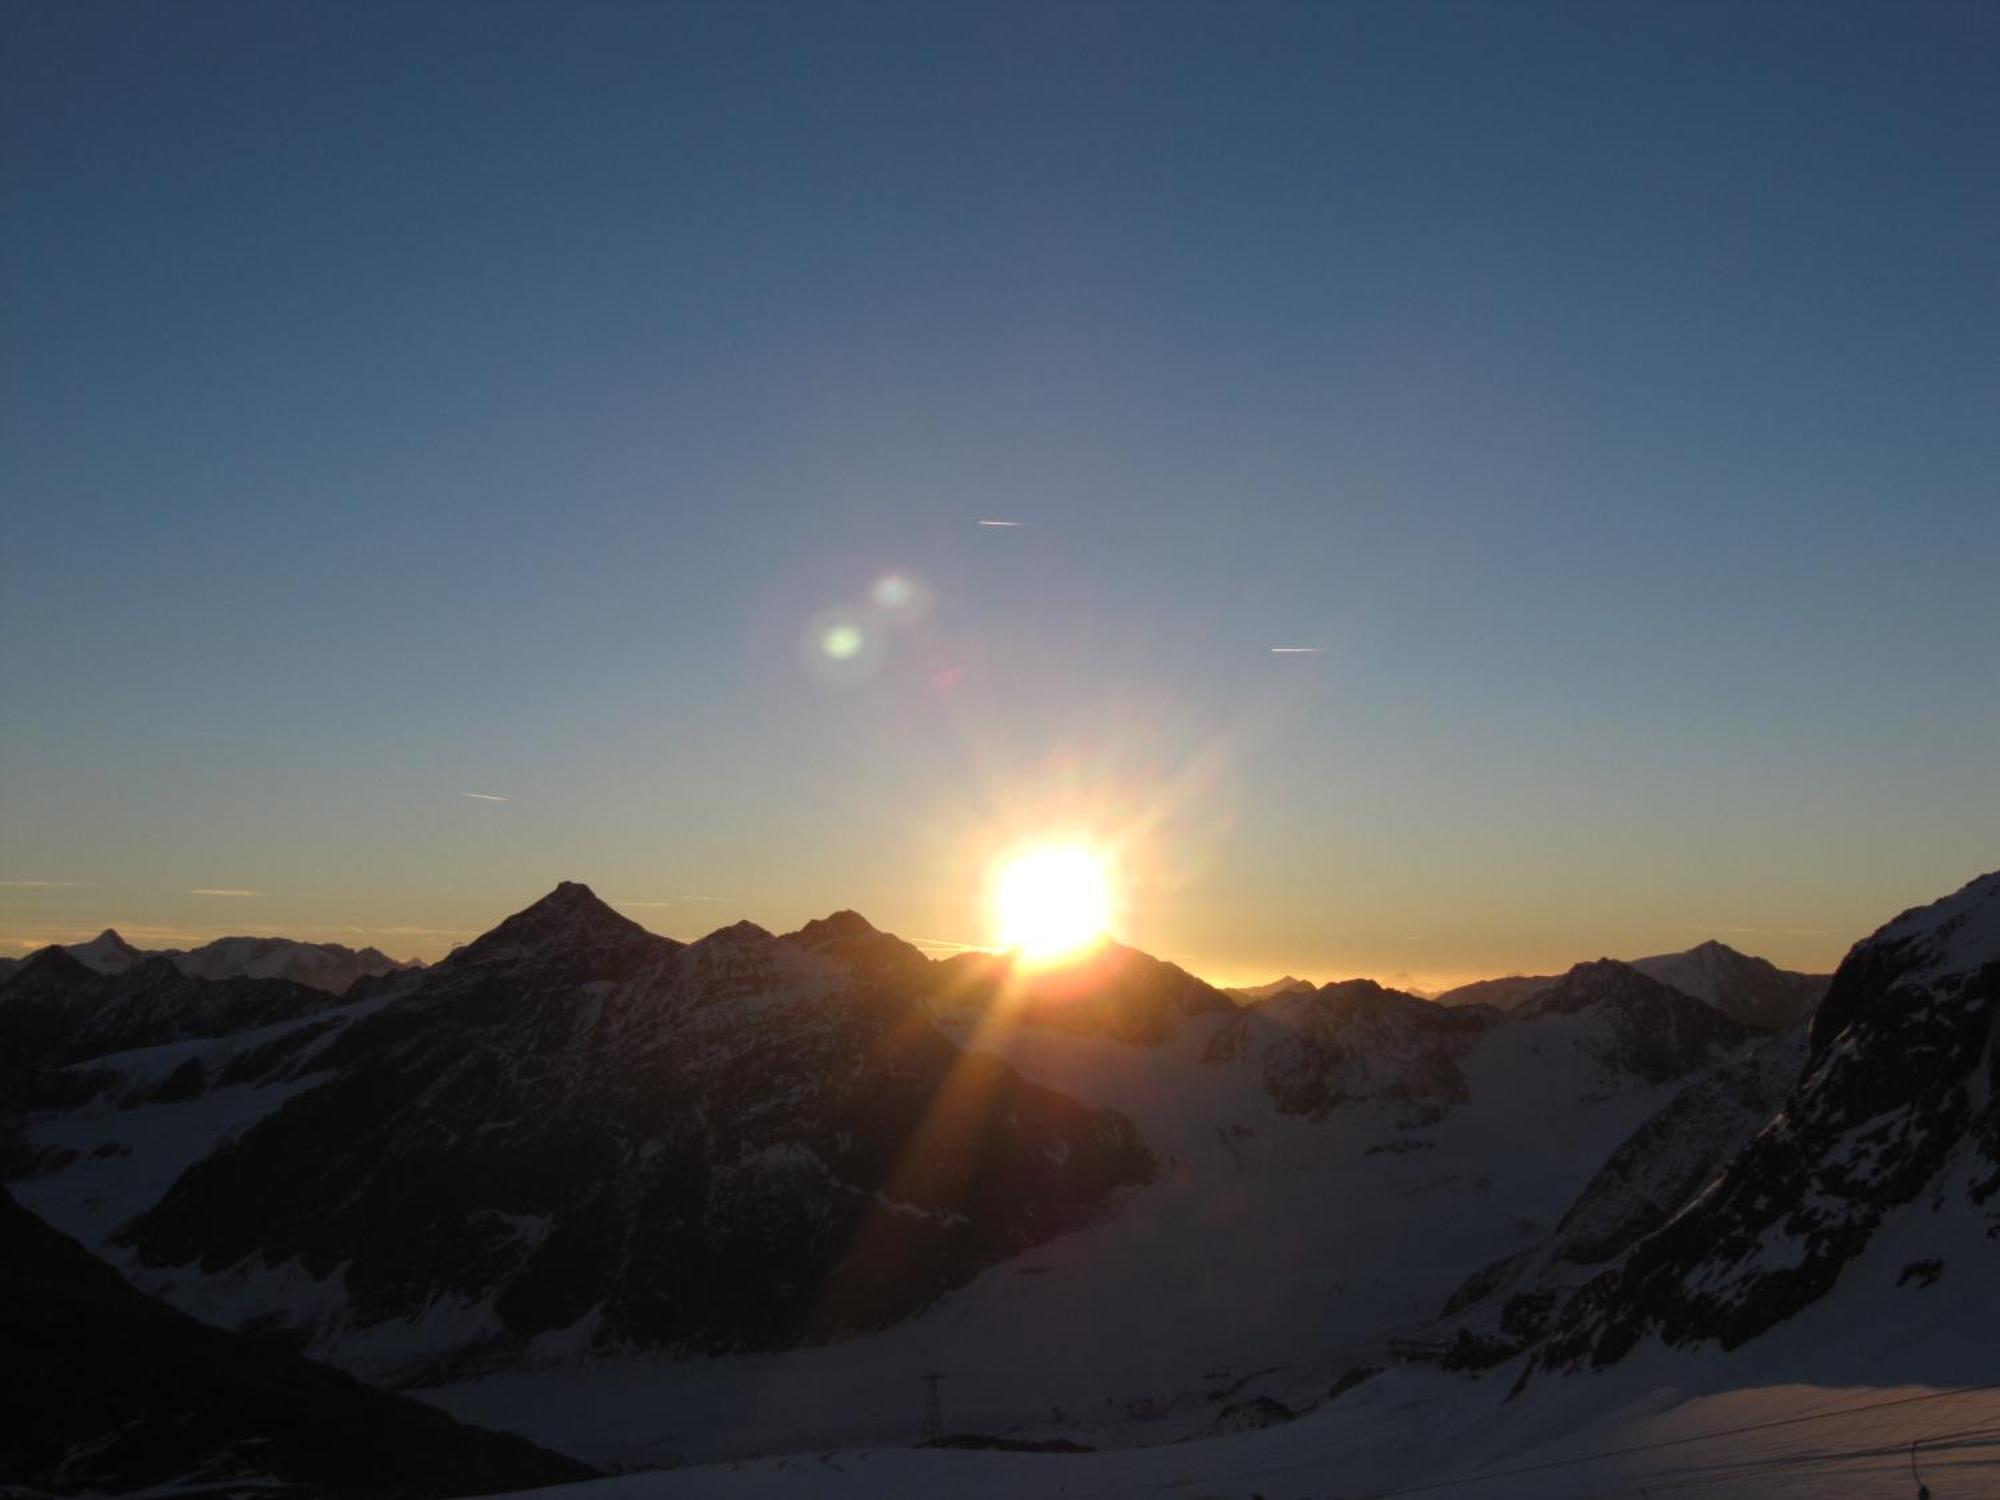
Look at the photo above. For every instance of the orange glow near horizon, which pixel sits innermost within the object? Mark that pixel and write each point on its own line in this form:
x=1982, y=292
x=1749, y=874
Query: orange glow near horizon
x=1053, y=901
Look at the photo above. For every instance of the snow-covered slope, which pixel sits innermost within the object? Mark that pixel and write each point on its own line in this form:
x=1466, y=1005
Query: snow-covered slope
x=55, y=1010
x=575, y=1136
x=1816, y=1317
x=1892, y=1132
x=1320, y=1049
x=1505, y=1307
x=1332, y=1167
x=107, y=953
x=331, y=967
x=1639, y=1025
x=556, y=1174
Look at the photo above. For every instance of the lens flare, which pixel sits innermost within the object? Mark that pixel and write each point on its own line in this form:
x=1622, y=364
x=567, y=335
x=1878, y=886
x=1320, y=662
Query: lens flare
x=842, y=642
x=1053, y=902
x=840, y=647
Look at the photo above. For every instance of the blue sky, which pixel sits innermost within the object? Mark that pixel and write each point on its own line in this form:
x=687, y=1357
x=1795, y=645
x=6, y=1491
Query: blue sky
x=408, y=401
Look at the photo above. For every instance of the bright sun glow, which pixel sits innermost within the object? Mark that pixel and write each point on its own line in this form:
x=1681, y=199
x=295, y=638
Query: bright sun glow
x=1052, y=902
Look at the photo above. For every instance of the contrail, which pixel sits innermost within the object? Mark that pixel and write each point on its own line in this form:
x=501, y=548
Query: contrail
x=1003, y=523
x=1297, y=650
x=482, y=796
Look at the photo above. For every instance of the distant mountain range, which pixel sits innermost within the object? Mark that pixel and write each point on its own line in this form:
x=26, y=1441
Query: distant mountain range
x=1249, y=994
x=575, y=1157
x=1753, y=991
x=322, y=966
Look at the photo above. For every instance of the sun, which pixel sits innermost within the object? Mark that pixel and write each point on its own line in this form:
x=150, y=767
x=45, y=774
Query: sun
x=1052, y=902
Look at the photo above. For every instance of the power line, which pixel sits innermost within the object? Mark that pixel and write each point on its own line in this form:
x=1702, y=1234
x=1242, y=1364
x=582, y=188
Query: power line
x=1431, y=1486
x=1679, y=1442
x=1979, y=1437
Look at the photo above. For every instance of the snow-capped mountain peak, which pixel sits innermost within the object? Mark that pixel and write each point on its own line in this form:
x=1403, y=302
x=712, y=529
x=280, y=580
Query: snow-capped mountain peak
x=569, y=920
x=1893, y=1121
x=108, y=953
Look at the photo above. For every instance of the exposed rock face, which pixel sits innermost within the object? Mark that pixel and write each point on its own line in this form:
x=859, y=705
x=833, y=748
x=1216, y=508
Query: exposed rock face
x=1895, y=1110
x=574, y=1126
x=1112, y=991
x=1751, y=990
x=109, y=1390
x=1667, y=1160
x=55, y=1011
x=1643, y=1027
x=1354, y=1041
x=1504, y=1307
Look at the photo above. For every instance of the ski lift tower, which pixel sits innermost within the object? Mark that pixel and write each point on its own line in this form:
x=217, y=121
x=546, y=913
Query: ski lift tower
x=933, y=1412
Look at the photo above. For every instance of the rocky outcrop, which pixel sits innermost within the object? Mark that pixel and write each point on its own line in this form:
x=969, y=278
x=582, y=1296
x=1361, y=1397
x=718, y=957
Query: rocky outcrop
x=1893, y=1115
x=56, y=1011
x=1636, y=1025
x=1353, y=1041
x=573, y=1128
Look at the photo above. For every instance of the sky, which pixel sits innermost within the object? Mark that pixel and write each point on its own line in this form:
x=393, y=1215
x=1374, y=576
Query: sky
x=596, y=407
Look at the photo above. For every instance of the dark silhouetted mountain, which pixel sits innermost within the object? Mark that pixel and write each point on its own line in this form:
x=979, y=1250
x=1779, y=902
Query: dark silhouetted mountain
x=1644, y=1027
x=1501, y=994
x=574, y=1130
x=1110, y=991
x=1894, y=1116
x=869, y=953
x=56, y=1011
x=1754, y=991
x=1352, y=1041
x=1251, y=993
x=107, y=1390
x=331, y=967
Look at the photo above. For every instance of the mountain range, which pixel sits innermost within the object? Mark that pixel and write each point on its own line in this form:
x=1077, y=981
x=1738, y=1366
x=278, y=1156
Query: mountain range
x=637, y=1199
x=1751, y=990
x=331, y=967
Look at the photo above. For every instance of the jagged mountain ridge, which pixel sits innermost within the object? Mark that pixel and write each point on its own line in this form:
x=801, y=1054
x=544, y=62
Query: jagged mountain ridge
x=1503, y=1308
x=331, y=967
x=1112, y=991
x=109, y=1390
x=55, y=1011
x=1345, y=1042
x=1751, y=991
x=1894, y=1117
x=1652, y=1029
x=1247, y=994
x=572, y=1125
x=1503, y=994
x=1393, y=1100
